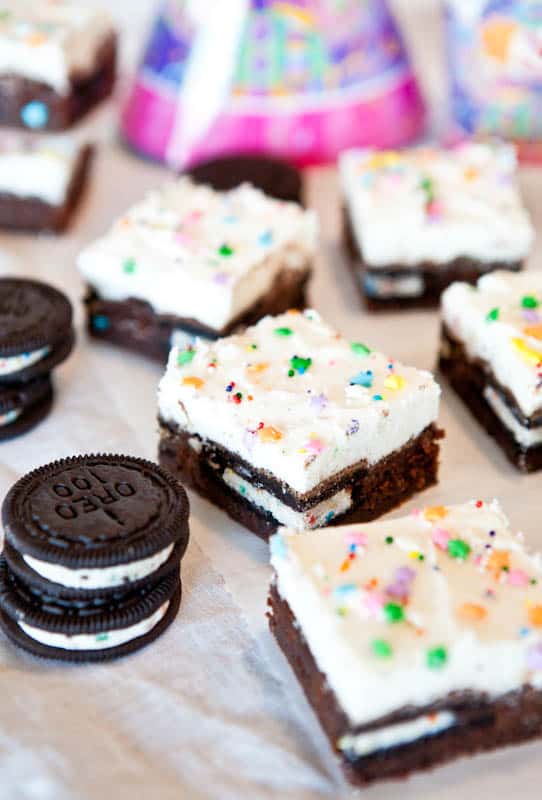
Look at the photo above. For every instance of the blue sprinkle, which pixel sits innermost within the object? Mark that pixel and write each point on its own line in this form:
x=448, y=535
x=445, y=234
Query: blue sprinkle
x=352, y=548
x=266, y=238
x=345, y=589
x=524, y=632
x=231, y=219
x=35, y=114
x=100, y=322
x=329, y=516
x=371, y=286
x=278, y=546
x=363, y=378
x=377, y=397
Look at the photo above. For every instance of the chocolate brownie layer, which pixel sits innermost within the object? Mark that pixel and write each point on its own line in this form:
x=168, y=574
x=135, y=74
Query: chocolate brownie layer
x=436, y=277
x=375, y=489
x=60, y=111
x=481, y=724
x=133, y=324
x=469, y=378
x=33, y=214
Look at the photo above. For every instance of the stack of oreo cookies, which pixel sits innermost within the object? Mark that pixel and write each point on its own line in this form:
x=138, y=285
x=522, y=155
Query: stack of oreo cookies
x=91, y=563
x=36, y=335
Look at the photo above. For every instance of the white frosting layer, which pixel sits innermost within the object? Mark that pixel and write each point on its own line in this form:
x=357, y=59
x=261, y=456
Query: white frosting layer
x=527, y=437
x=364, y=744
x=387, y=286
x=436, y=205
x=318, y=515
x=99, y=578
x=38, y=167
x=13, y=364
x=95, y=641
x=51, y=41
x=10, y=416
x=193, y=252
x=404, y=611
x=293, y=397
x=500, y=322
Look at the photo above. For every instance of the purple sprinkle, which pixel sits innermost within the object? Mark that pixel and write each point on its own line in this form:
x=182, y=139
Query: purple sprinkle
x=404, y=575
x=318, y=402
x=353, y=427
x=534, y=657
x=531, y=315
x=221, y=278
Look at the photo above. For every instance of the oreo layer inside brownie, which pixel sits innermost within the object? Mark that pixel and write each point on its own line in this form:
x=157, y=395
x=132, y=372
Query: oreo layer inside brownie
x=392, y=629
x=192, y=261
x=58, y=62
x=41, y=182
x=290, y=424
x=491, y=352
x=417, y=221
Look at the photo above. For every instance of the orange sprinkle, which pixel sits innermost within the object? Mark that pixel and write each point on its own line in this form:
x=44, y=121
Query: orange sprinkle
x=36, y=39
x=192, y=380
x=250, y=397
x=434, y=513
x=472, y=612
x=497, y=561
x=534, y=331
x=269, y=434
x=535, y=616
x=471, y=174
x=254, y=369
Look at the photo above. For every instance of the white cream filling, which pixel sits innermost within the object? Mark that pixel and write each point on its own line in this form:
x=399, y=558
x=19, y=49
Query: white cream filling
x=364, y=744
x=527, y=437
x=95, y=641
x=43, y=170
x=99, y=578
x=10, y=416
x=16, y=363
x=387, y=286
x=318, y=515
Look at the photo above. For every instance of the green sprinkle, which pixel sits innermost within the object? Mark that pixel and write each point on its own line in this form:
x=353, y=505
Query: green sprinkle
x=253, y=346
x=291, y=373
x=493, y=315
x=225, y=250
x=341, y=611
x=529, y=301
x=102, y=637
x=185, y=357
x=437, y=657
x=428, y=187
x=389, y=539
x=381, y=648
x=421, y=557
x=360, y=349
x=283, y=331
x=459, y=549
x=394, y=612
x=129, y=266
x=300, y=365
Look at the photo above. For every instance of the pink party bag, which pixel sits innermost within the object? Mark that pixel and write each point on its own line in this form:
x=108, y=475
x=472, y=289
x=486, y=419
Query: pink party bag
x=301, y=80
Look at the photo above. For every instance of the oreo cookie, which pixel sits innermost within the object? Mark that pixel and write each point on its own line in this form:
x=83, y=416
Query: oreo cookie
x=23, y=406
x=36, y=331
x=93, y=545
x=274, y=177
x=88, y=630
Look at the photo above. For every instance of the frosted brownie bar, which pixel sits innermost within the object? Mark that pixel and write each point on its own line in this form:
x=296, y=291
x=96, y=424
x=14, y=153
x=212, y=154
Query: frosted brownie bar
x=491, y=352
x=419, y=219
x=191, y=261
x=57, y=61
x=416, y=640
x=289, y=423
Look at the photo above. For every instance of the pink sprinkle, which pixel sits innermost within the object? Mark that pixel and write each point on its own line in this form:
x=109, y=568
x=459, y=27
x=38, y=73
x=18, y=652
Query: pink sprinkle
x=441, y=538
x=359, y=539
x=182, y=238
x=416, y=512
x=193, y=216
x=516, y=577
x=374, y=602
x=435, y=209
x=315, y=446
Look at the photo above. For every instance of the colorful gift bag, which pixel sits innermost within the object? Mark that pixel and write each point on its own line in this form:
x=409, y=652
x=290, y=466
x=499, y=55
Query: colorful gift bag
x=299, y=79
x=495, y=51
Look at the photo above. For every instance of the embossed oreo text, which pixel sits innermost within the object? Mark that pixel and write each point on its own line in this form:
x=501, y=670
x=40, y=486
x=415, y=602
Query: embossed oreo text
x=84, y=494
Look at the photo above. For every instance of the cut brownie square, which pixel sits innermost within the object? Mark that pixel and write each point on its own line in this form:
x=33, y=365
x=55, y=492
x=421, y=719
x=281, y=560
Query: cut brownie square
x=416, y=640
x=289, y=423
x=491, y=352
x=41, y=181
x=191, y=261
x=420, y=219
x=57, y=61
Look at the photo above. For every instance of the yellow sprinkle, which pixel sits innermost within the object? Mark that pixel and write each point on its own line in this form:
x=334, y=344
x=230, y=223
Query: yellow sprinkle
x=192, y=380
x=254, y=369
x=394, y=382
x=415, y=554
x=434, y=513
x=269, y=434
x=382, y=160
x=527, y=353
x=472, y=612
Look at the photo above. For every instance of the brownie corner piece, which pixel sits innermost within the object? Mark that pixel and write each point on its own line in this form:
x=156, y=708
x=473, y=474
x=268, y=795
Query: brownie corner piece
x=290, y=424
x=406, y=232
x=60, y=61
x=375, y=619
x=491, y=354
